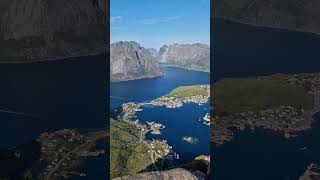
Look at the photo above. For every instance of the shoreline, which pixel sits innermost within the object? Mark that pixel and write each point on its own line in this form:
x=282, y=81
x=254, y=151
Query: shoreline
x=140, y=78
x=157, y=76
x=53, y=59
x=270, y=27
x=130, y=109
x=175, y=66
x=287, y=120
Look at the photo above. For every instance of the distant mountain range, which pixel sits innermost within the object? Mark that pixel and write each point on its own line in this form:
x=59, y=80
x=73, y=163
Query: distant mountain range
x=129, y=60
x=46, y=29
x=301, y=15
x=189, y=56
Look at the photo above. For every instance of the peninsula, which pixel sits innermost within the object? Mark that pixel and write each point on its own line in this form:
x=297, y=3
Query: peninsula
x=283, y=103
x=130, y=153
x=62, y=151
x=198, y=94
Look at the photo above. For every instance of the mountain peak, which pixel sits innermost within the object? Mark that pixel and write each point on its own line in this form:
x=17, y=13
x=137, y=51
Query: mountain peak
x=194, y=56
x=129, y=60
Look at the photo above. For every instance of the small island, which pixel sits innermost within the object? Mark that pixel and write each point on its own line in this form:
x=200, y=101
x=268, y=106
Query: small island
x=206, y=119
x=190, y=139
x=155, y=127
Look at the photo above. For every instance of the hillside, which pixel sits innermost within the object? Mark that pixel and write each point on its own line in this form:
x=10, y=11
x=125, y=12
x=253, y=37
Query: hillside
x=131, y=61
x=242, y=95
x=40, y=30
x=302, y=15
x=190, y=56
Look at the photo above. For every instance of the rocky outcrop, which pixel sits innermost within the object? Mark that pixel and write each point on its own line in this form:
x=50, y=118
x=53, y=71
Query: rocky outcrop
x=153, y=52
x=174, y=174
x=131, y=61
x=190, y=56
x=46, y=29
x=302, y=15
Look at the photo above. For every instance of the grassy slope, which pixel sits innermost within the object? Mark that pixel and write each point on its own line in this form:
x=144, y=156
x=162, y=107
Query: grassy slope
x=240, y=95
x=187, y=91
x=127, y=155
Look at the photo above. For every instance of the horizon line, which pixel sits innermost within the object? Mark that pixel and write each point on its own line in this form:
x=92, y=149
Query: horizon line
x=182, y=43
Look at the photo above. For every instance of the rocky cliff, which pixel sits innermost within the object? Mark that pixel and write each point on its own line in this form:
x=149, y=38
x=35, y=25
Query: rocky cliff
x=190, y=56
x=302, y=15
x=153, y=52
x=47, y=29
x=129, y=60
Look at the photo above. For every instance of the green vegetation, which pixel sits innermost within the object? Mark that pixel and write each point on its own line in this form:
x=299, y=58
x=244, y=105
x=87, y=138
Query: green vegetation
x=187, y=91
x=128, y=155
x=250, y=94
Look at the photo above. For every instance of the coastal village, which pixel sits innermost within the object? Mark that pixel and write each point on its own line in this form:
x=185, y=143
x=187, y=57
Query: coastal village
x=156, y=148
x=176, y=100
x=170, y=101
x=61, y=151
x=285, y=119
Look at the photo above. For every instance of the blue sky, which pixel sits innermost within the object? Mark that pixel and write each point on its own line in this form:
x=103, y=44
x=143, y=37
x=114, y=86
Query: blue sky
x=153, y=23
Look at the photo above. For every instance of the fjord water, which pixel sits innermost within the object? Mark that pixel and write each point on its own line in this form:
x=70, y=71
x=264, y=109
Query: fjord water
x=184, y=121
x=53, y=95
x=240, y=50
x=148, y=89
x=244, y=51
x=266, y=155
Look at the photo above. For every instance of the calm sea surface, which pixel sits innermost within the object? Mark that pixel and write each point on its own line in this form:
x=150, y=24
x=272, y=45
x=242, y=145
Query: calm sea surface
x=53, y=95
x=181, y=122
x=148, y=89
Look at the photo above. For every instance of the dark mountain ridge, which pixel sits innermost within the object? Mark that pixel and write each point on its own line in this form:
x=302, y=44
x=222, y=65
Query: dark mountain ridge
x=301, y=15
x=46, y=29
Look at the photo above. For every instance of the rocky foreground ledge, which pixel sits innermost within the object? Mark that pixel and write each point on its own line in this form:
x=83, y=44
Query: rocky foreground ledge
x=176, y=174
